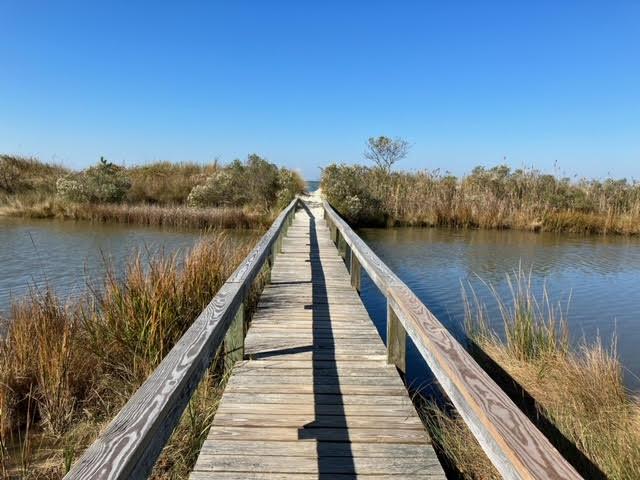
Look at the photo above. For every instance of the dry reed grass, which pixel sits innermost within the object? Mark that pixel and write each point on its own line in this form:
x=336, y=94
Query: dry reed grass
x=153, y=215
x=65, y=370
x=580, y=391
x=486, y=198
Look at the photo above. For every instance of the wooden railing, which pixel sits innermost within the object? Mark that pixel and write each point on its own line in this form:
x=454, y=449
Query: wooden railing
x=131, y=444
x=514, y=445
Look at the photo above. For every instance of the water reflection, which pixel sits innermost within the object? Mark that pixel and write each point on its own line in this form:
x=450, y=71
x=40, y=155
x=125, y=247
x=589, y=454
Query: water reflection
x=596, y=277
x=67, y=254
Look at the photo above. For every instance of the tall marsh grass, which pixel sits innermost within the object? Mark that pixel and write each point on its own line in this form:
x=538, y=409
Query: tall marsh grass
x=486, y=198
x=66, y=369
x=178, y=216
x=576, y=395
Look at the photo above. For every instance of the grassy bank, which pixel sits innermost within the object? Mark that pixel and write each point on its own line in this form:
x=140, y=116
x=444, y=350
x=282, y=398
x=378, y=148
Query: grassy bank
x=177, y=216
x=66, y=369
x=485, y=198
x=576, y=396
x=236, y=195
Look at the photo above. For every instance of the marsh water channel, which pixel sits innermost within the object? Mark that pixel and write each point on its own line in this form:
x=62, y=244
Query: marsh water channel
x=594, y=279
x=69, y=256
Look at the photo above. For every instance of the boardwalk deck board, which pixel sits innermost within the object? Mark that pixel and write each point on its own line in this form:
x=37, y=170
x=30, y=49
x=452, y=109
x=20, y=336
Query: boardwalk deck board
x=314, y=397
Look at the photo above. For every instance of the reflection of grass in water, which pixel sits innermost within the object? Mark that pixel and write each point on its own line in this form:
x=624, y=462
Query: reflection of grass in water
x=580, y=391
x=65, y=370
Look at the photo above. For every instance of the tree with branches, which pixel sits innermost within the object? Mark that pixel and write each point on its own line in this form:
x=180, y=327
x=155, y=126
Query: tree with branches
x=384, y=151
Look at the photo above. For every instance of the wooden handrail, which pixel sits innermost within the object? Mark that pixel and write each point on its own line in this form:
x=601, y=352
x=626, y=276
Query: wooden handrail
x=132, y=442
x=514, y=445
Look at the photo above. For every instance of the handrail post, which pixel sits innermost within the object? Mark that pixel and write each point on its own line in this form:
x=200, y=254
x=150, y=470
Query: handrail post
x=342, y=247
x=234, y=339
x=355, y=270
x=396, y=341
x=347, y=256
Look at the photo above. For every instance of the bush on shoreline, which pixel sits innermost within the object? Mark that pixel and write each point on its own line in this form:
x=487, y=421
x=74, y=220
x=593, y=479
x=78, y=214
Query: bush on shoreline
x=487, y=198
x=101, y=183
x=255, y=182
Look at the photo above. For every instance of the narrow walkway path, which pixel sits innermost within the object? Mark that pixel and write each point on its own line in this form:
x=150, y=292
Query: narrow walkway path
x=316, y=398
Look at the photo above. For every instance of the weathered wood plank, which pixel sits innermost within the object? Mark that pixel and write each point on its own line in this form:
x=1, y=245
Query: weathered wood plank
x=322, y=421
x=310, y=448
x=353, y=435
x=234, y=339
x=396, y=341
x=317, y=399
x=320, y=389
x=320, y=410
x=311, y=380
x=198, y=475
x=319, y=365
x=289, y=464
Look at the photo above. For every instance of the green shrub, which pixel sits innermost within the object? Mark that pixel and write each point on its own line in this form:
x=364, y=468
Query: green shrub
x=222, y=188
x=255, y=182
x=290, y=184
x=102, y=183
x=346, y=188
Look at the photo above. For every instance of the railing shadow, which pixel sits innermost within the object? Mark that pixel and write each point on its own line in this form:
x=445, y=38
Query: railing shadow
x=334, y=455
x=527, y=403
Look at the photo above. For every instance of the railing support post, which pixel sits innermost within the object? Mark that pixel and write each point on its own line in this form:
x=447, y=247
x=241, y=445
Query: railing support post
x=396, y=341
x=355, y=271
x=234, y=339
x=342, y=247
x=347, y=256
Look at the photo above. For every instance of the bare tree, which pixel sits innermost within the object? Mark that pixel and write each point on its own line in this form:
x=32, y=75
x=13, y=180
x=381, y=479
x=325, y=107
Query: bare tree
x=384, y=151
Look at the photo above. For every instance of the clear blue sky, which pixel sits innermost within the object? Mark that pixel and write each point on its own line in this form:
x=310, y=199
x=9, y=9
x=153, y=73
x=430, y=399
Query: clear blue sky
x=305, y=83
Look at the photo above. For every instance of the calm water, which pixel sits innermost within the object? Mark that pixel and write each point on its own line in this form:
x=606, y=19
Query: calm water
x=67, y=254
x=598, y=278
x=599, y=275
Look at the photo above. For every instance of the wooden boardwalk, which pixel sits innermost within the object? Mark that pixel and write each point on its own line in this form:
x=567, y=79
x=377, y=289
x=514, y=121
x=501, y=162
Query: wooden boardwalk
x=314, y=397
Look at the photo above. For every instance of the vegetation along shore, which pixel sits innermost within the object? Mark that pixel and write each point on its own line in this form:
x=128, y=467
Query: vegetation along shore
x=236, y=195
x=497, y=197
x=574, y=394
x=51, y=405
x=67, y=368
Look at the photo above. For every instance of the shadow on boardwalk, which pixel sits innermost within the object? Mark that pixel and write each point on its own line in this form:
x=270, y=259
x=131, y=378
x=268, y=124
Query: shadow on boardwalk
x=327, y=451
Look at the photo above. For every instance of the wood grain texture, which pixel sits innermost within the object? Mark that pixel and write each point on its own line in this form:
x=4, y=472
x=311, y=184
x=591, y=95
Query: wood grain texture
x=514, y=445
x=315, y=396
x=355, y=270
x=131, y=443
x=396, y=341
x=234, y=339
